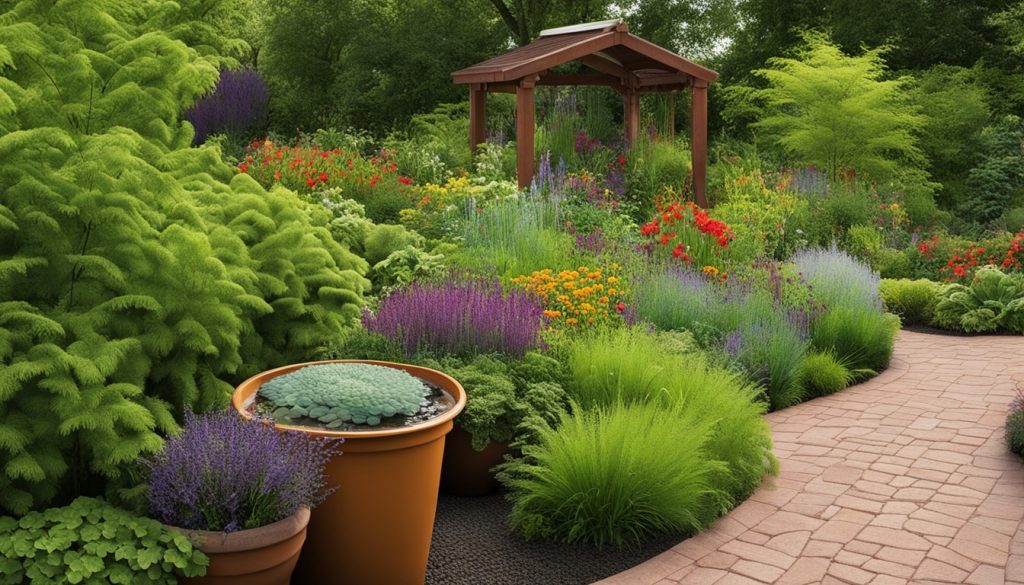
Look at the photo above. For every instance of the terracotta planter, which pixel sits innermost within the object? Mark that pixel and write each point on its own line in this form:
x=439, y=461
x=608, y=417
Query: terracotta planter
x=376, y=528
x=258, y=556
x=466, y=471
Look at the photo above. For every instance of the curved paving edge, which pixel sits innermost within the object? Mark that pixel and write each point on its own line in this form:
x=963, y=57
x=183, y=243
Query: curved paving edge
x=902, y=479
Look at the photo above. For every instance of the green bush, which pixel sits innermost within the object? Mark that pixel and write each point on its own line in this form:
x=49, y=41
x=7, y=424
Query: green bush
x=1015, y=425
x=617, y=475
x=992, y=301
x=1013, y=220
x=913, y=300
x=91, y=541
x=655, y=165
x=890, y=263
x=770, y=350
x=863, y=241
x=507, y=402
x=860, y=337
x=632, y=366
x=514, y=237
x=822, y=374
x=616, y=365
x=141, y=276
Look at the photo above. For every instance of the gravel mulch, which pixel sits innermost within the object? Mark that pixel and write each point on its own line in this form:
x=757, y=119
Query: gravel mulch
x=472, y=545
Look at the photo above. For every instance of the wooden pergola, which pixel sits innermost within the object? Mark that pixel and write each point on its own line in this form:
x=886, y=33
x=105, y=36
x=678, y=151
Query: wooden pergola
x=620, y=60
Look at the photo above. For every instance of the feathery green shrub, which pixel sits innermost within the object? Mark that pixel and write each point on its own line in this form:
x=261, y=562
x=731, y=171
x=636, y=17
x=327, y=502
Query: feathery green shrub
x=822, y=374
x=992, y=301
x=913, y=300
x=617, y=475
x=140, y=276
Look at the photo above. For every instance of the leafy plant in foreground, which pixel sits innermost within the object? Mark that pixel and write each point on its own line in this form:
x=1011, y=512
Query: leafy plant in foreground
x=1015, y=424
x=90, y=541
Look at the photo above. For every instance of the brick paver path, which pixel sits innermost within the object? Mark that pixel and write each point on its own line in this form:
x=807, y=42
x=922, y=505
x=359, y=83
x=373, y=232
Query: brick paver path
x=903, y=479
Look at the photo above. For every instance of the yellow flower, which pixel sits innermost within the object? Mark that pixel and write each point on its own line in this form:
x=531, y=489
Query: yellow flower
x=711, y=270
x=613, y=280
x=553, y=314
x=571, y=321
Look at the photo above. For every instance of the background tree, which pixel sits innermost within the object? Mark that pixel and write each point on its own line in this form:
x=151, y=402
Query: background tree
x=836, y=111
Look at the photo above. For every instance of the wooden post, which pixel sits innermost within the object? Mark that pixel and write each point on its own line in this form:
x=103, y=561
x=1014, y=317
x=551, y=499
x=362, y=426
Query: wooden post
x=524, y=131
x=672, y=116
x=699, y=140
x=631, y=115
x=477, y=115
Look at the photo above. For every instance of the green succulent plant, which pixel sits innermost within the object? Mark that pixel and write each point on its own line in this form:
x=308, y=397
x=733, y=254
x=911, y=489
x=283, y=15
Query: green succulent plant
x=336, y=394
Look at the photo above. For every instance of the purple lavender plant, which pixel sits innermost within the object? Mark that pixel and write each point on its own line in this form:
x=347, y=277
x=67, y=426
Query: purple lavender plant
x=810, y=181
x=460, y=318
x=236, y=106
x=225, y=473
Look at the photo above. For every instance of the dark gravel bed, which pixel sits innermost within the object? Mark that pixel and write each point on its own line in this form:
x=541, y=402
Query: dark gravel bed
x=472, y=545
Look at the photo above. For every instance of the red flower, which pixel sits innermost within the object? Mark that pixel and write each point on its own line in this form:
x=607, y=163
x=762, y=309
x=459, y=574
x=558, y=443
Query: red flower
x=620, y=307
x=243, y=168
x=405, y=180
x=324, y=177
x=311, y=183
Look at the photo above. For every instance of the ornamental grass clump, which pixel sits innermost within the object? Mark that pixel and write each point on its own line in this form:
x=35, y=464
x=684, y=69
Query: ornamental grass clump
x=336, y=394
x=225, y=473
x=838, y=278
x=1015, y=424
x=459, y=318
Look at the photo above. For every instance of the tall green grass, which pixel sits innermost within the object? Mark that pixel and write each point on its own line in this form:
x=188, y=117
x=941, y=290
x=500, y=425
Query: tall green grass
x=618, y=475
x=514, y=237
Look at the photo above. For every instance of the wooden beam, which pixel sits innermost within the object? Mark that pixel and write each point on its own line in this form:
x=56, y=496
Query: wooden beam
x=699, y=140
x=524, y=131
x=631, y=116
x=582, y=79
x=608, y=67
x=665, y=79
x=477, y=116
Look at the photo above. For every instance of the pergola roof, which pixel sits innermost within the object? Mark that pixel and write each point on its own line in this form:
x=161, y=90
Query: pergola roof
x=608, y=47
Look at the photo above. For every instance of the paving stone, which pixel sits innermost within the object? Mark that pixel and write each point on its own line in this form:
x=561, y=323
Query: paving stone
x=902, y=479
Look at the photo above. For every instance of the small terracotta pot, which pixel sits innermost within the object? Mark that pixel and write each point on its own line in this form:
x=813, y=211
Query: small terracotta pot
x=375, y=529
x=466, y=471
x=258, y=556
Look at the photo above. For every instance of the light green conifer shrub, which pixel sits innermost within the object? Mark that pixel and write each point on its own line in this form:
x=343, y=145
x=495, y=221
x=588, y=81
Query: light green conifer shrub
x=137, y=276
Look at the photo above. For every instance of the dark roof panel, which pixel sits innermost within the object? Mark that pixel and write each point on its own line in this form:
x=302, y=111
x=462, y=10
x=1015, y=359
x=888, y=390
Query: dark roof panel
x=553, y=50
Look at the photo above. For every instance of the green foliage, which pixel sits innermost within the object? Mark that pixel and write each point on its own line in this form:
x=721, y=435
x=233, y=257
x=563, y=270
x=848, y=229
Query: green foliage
x=514, y=237
x=1013, y=220
x=92, y=542
x=140, y=276
x=994, y=183
x=369, y=65
x=335, y=394
x=954, y=105
x=616, y=365
x=836, y=111
x=508, y=402
x=1015, y=424
x=860, y=337
x=992, y=301
x=771, y=351
x=619, y=475
x=822, y=374
x=655, y=165
x=382, y=240
x=913, y=300
x=632, y=366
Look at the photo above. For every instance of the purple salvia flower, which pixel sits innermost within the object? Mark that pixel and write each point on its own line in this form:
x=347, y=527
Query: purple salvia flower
x=461, y=318
x=236, y=106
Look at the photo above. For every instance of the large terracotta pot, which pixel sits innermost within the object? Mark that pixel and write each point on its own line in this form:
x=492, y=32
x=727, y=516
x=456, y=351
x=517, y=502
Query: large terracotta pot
x=376, y=528
x=258, y=556
x=466, y=471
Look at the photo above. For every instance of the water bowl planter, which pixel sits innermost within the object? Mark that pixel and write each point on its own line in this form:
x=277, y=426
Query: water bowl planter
x=375, y=529
x=467, y=472
x=258, y=556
